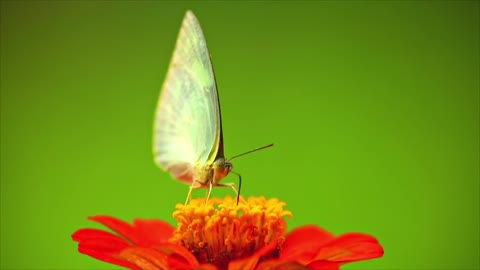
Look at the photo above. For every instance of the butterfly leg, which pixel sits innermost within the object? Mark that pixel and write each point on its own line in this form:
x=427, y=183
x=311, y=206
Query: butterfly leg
x=209, y=192
x=189, y=195
x=232, y=185
x=195, y=184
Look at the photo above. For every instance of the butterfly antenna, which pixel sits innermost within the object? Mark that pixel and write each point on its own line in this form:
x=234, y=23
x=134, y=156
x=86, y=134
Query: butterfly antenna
x=256, y=149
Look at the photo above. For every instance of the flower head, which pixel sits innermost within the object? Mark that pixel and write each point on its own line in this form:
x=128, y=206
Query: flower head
x=220, y=231
x=219, y=234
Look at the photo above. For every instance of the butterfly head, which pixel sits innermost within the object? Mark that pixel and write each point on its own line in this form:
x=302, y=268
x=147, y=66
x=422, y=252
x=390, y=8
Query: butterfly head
x=222, y=168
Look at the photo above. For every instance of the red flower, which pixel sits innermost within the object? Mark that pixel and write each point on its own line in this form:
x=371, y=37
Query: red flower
x=221, y=235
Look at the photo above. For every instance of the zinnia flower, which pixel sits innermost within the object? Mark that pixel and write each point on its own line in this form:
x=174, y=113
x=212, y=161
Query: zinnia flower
x=220, y=234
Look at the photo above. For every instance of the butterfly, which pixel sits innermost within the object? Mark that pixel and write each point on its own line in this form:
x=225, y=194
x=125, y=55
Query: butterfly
x=188, y=136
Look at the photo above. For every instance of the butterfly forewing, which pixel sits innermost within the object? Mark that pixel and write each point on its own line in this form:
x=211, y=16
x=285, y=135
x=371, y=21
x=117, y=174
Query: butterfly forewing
x=187, y=125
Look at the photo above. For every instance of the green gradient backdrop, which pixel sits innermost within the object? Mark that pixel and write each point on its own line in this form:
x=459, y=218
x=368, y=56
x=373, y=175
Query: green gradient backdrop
x=373, y=108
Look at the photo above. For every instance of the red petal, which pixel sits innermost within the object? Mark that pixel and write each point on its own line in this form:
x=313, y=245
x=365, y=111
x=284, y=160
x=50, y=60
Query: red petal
x=205, y=266
x=178, y=256
x=145, y=258
x=84, y=234
x=280, y=265
x=152, y=232
x=303, y=244
x=144, y=232
x=101, y=245
x=121, y=227
x=115, y=261
x=107, y=247
x=323, y=265
x=99, y=240
x=252, y=261
x=168, y=256
x=351, y=247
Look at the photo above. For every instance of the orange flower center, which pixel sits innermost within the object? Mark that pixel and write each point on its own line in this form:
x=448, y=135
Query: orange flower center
x=220, y=231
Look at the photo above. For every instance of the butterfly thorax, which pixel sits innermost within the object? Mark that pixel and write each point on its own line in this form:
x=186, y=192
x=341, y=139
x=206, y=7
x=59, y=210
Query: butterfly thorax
x=212, y=173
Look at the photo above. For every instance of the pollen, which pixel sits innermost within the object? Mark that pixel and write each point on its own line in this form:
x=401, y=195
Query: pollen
x=220, y=231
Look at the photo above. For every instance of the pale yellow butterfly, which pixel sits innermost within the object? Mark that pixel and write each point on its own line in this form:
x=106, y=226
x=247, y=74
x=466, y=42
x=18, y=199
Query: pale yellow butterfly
x=188, y=139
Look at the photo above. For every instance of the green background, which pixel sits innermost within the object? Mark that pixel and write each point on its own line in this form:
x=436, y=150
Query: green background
x=373, y=108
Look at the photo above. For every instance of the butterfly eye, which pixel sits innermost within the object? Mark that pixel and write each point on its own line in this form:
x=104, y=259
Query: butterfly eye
x=228, y=165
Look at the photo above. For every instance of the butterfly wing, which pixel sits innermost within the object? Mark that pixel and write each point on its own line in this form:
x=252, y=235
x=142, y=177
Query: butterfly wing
x=187, y=126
